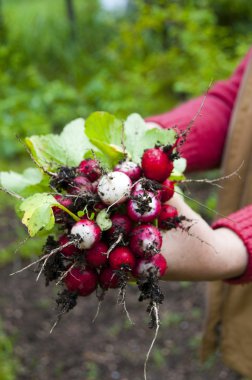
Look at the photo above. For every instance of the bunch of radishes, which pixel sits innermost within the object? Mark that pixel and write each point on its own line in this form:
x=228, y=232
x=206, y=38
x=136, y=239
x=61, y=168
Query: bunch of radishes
x=118, y=235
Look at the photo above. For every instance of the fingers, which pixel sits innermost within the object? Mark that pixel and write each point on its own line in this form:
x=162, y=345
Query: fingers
x=178, y=202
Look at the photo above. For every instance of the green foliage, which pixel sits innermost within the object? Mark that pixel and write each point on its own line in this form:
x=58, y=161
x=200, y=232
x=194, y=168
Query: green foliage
x=139, y=137
x=156, y=55
x=172, y=319
x=159, y=357
x=8, y=365
x=54, y=150
x=68, y=148
x=92, y=371
x=38, y=213
x=105, y=132
x=17, y=183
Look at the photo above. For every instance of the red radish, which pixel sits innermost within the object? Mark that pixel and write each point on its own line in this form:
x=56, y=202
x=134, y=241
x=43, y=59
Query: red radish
x=99, y=206
x=145, y=240
x=95, y=186
x=121, y=224
x=108, y=279
x=87, y=232
x=148, y=185
x=64, y=201
x=156, y=265
x=138, y=187
x=167, y=190
x=114, y=187
x=168, y=217
x=80, y=185
x=143, y=207
x=130, y=168
x=90, y=168
x=71, y=249
x=160, y=263
x=156, y=164
x=82, y=281
x=96, y=256
x=121, y=257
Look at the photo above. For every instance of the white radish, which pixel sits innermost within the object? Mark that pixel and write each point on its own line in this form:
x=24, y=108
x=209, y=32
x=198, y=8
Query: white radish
x=86, y=232
x=114, y=187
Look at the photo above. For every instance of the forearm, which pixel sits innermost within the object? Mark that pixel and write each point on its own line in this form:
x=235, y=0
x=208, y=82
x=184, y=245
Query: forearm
x=200, y=253
x=218, y=256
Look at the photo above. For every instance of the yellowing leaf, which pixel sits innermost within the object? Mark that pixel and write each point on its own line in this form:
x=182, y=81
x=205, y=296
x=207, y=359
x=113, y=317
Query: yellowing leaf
x=38, y=212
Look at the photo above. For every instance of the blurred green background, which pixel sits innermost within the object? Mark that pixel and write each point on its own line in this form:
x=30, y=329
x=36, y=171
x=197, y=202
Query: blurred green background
x=63, y=59
x=56, y=65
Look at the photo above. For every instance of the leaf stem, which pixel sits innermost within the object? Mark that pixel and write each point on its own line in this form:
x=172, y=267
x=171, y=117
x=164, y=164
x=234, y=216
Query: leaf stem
x=12, y=193
x=75, y=217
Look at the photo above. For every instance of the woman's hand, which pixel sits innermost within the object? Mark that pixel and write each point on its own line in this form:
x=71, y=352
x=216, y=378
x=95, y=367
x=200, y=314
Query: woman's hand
x=200, y=253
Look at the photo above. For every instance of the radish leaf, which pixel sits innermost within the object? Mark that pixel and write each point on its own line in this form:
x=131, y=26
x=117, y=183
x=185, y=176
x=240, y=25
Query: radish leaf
x=138, y=136
x=68, y=148
x=17, y=183
x=38, y=213
x=103, y=220
x=178, y=170
x=105, y=132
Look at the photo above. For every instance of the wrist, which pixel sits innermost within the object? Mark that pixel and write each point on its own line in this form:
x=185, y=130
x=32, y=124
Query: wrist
x=233, y=258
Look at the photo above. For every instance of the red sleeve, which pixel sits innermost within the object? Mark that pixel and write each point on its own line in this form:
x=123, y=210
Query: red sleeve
x=204, y=144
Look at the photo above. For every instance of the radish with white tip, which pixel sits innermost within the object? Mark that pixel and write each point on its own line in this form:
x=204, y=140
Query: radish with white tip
x=114, y=187
x=143, y=207
x=86, y=232
x=157, y=265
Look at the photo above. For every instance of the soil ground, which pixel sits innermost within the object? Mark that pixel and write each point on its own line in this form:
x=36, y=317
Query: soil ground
x=110, y=348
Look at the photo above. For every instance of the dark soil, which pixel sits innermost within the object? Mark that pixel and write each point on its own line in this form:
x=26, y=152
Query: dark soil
x=110, y=348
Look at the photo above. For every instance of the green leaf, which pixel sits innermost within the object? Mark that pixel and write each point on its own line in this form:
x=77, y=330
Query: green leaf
x=46, y=150
x=68, y=148
x=105, y=132
x=138, y=136
x=158, y=135
x=101, y=157
x=38, y=212
x=75, y=142
x=104, y=127
x=103, y=220
x=41, y=187
x=17, y=183
x=178, y=170
x=113, y=153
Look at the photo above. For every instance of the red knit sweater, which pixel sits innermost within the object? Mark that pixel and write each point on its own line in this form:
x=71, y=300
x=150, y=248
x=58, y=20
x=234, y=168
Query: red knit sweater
x=204, y=145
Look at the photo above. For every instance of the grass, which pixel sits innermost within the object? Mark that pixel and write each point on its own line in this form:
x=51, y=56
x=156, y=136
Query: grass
x=14, y=239
x=172, y=319
x=58, y=52
x=92, y=371
x=159, y=358
x=9, y=366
